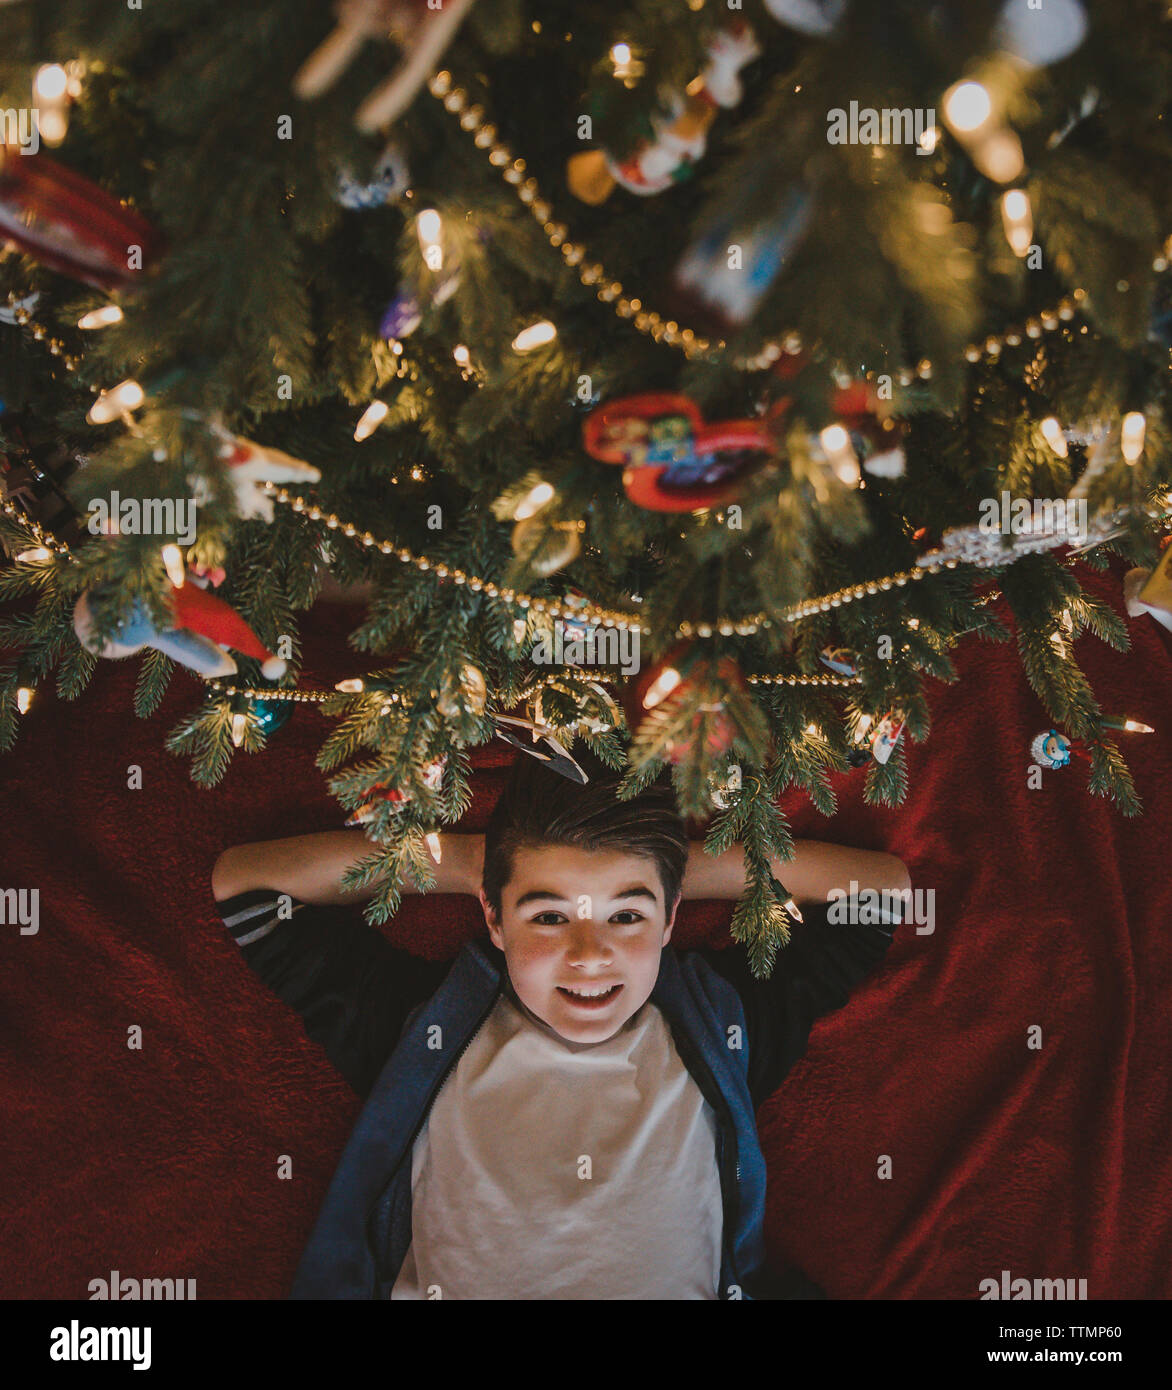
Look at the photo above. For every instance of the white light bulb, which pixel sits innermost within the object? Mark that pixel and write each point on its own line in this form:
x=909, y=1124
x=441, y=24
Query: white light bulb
x=1132, y=433
x=533, y=501
x=173, y=564
x=101, y=318
x=353, y=686
x=24, y=698
x=110, y=405
x=433, y=844
x=661, y=687
x=373, y=416
x=967, y=106
x=1052, y=432
x=1017, y=220
x=536, y=335
x=35, y=555
x=50, y=82
x=239, y=724
x=461, y=354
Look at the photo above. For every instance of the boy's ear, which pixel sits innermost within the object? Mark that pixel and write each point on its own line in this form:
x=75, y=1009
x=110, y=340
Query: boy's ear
x=494, y=927
x=671, y=918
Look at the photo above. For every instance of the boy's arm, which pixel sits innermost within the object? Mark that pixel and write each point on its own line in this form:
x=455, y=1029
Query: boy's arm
x=814, y=871
x=310, y=867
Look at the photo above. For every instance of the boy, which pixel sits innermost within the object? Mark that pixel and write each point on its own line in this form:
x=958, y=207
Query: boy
x=569, y=1111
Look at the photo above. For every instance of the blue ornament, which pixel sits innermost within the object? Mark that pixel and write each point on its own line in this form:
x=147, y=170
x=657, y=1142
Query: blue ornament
x=402, y=316
x=390, y=182
x=270, y=715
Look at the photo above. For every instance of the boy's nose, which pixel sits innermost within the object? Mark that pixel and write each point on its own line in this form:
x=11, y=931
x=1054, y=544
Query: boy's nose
x=587, y=945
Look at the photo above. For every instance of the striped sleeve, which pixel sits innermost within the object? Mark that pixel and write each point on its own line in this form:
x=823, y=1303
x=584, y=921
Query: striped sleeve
x=352, y=988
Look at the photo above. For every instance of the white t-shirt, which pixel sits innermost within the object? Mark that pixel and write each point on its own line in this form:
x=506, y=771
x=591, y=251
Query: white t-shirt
x=556, y=1170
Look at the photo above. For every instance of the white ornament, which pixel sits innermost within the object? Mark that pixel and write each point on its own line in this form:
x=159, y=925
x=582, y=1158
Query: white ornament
x=1044, y=33
x=815, y=17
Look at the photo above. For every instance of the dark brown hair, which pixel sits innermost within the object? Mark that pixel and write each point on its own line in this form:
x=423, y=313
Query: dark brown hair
x=538, y=807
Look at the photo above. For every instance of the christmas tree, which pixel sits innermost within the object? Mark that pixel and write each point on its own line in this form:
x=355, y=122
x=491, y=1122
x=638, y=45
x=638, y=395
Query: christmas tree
x=682, y=377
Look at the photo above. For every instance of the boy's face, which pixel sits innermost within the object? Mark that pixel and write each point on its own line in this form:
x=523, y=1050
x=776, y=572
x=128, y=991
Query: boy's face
x=582, y=931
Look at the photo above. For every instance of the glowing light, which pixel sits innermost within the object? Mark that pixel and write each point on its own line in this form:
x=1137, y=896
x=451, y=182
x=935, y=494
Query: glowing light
x=661, y=687
x=433, y=844
x=239, y=724
x=1131, y=726
x=1017, y=220
x=533, y=501
x=536, y=335
x=50, y=82
x=1052, y=432
x=834, y=439
x=836, y=444
x=429, y=228
x=792, y=908
x=353, y=686
x=620, y=53
x=173, y=564
x=967, y=106
x=35, y=555
x=101, y=318
x=1132, y=435
x=928, y=140
x=461, y=354
x=24, y=698
x=373, y=416
x=118, y=401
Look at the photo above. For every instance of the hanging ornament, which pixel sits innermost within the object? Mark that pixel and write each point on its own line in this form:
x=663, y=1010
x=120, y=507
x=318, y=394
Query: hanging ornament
x=840, y=660
x=597, y=712
x=814, y=17
x=71, y=225
x=545, y=546
x=538, y=742
x=1051, y=749
x=1040, y=33
x=677, y=676
x=724, y=272
x=463, y=694
x=203, y=628
x=989, y=548
x=1150, y=591
x=421, y=30
x=397, y=797
x=679, y=130
x=391, y=179
x=270, y=715
x=672, y=461
x=887, y=734
x=249, y=465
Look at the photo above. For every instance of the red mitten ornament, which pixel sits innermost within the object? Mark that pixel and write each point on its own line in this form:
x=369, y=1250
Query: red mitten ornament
x=70, y=224
x=672, y=461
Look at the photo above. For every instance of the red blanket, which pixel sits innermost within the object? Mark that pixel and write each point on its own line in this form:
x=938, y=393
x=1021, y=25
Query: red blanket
x=1052, y=912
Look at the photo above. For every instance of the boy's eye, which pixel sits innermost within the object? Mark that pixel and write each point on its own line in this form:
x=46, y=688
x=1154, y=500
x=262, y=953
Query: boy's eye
x=627, y=917
x=550, y=918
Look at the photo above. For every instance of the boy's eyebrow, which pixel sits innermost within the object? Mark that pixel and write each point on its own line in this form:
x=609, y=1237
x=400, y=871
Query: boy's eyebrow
x=537, y=893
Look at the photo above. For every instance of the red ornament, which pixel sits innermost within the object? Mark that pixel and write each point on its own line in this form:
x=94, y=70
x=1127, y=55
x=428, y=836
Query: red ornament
x=70, y=224
x=672, y=461
x=675, y=675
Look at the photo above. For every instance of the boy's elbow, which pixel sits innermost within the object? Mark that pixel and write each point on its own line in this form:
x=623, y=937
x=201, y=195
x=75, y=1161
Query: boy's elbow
x=225, y=875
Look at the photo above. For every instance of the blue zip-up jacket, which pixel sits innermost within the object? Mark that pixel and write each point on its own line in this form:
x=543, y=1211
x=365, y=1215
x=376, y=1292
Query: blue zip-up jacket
x=737, y=1037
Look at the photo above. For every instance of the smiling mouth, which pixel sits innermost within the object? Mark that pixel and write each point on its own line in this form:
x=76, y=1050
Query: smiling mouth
x=589, y=996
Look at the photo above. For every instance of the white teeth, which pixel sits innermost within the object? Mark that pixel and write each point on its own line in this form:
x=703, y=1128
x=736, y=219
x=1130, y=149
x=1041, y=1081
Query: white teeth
x=589, y=993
